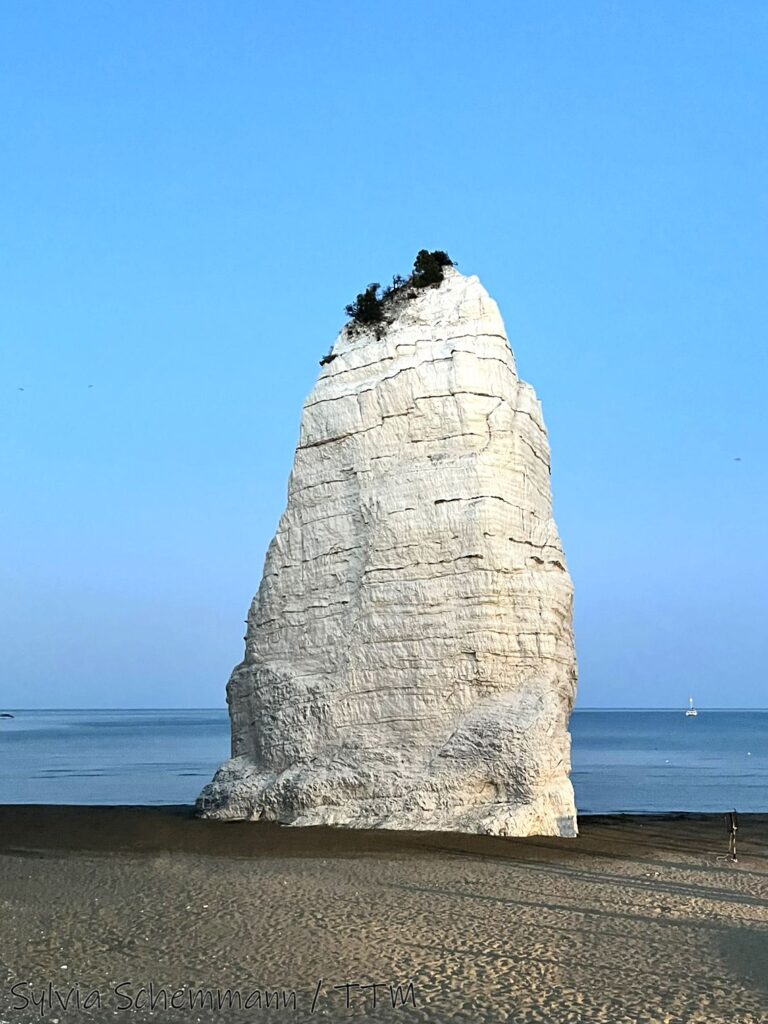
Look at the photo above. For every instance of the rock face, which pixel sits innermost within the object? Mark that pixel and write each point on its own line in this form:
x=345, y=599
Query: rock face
x=409, y=657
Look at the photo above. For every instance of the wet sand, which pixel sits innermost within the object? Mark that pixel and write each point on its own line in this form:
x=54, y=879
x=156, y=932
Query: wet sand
x=634, y=922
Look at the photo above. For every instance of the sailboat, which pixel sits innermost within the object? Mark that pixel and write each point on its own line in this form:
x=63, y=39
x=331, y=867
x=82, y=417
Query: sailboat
x=691, y=711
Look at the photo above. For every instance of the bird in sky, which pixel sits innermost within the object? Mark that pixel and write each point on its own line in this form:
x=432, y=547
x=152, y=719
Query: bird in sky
x=737, y=459
x=22, y=389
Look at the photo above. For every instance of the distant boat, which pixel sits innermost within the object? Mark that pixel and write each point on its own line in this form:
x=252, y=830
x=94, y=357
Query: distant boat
x=6, y=714
x=691, y=712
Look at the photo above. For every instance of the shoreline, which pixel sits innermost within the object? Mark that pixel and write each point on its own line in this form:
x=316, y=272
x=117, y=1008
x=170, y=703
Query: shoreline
x=145, y=828
x=639, y=920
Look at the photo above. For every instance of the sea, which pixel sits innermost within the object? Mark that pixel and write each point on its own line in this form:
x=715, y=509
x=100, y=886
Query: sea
x=629, y=761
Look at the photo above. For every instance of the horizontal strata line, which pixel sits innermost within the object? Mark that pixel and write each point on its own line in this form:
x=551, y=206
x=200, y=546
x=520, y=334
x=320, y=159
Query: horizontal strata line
x=349, y=478
x=422, y=362
x=451, y=637
x=462, y=597
x=338, y=437
x=485, y=334
x=449, y=659
x=285, y=527
x=436, y=690
x=353, y=473
x=415, y=610
x=321, y=519
x=320, y=605
x=475, y=497
x=351, y=369
x=483, y=394
x=450, y=561
x=364, y=391
x=425, y=398
x=447, y=437
x=415, y=544
x=492, y=684
x=412, y=565
x=516, y=601
x=404, y=369
x=386, y=721
x=312, y=558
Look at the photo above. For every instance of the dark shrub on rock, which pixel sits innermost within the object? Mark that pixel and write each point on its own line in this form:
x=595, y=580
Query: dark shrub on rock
x=428, y=267
x=367, y=307
x=370, y=308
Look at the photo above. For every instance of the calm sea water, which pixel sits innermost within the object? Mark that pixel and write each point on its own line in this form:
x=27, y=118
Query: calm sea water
x=641, y=761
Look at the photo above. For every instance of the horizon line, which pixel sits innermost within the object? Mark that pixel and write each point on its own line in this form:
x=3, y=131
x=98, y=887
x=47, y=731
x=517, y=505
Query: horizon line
x=603, y=707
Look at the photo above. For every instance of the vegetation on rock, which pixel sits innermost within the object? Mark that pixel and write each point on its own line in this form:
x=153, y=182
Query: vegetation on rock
x=428, y=267
x=371, y=308
x=367, y=307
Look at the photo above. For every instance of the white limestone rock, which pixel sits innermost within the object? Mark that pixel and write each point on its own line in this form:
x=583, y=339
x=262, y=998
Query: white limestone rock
x=409, y=656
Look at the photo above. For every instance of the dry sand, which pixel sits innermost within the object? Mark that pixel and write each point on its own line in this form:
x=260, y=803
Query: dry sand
x=635, y=921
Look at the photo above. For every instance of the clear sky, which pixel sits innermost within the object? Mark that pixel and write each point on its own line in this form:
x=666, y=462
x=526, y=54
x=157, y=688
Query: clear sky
x=191, y=192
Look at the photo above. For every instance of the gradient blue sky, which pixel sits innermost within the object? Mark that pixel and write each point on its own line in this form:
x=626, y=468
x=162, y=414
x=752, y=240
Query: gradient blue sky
x=191, y=192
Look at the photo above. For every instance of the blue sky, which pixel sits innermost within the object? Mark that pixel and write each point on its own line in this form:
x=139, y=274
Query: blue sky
x=191, y=192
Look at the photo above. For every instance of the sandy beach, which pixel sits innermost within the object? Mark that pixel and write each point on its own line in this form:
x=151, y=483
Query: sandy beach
x=151, y=915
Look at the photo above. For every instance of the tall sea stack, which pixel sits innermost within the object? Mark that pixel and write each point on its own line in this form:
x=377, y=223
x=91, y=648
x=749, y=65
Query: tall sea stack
x=409, y=658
